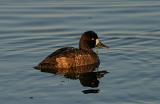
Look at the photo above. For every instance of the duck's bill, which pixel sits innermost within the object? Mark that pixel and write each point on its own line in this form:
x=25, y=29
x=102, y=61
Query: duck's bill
x=101, y=45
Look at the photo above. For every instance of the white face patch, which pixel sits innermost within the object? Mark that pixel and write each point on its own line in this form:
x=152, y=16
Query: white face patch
x=97, y=41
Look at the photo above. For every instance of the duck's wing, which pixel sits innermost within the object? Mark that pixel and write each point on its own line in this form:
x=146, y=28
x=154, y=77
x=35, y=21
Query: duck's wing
x=50, y=61
x=68, y=57
x=62, y=52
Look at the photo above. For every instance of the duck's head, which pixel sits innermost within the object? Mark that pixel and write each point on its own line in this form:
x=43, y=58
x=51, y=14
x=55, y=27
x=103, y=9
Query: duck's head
x=90, y=40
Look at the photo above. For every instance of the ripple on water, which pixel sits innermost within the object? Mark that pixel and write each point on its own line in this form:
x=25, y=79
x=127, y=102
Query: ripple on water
x=31, y=30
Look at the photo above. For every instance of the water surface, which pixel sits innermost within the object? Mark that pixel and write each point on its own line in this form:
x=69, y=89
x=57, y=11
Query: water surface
x=32, y=29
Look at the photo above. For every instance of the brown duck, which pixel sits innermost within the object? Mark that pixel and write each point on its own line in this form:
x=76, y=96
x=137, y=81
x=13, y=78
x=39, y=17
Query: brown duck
x=70, y=57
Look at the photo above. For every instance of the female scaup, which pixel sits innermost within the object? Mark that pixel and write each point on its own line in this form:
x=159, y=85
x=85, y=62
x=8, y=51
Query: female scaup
x=69, y=57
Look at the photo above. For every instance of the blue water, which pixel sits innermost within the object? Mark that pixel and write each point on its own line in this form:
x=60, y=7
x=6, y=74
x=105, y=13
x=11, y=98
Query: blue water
x=32, y=29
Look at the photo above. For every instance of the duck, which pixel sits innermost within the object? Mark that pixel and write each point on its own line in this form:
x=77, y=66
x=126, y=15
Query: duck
x=70, y=57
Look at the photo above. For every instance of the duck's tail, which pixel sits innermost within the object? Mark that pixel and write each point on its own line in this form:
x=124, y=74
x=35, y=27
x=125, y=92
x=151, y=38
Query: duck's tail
x=36, y=67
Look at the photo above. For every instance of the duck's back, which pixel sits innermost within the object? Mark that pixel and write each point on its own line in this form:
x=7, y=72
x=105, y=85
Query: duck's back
x=69, y=57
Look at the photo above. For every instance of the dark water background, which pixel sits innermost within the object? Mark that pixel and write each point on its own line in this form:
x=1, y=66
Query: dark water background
x=32, y=29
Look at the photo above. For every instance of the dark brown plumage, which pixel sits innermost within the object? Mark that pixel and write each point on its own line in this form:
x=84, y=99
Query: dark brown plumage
x=69, y=57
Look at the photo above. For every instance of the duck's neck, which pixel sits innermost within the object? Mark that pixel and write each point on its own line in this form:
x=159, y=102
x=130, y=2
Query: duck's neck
x=85, y=46
x=87, y=49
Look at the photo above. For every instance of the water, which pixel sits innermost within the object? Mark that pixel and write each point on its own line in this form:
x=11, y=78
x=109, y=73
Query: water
x=32, y=29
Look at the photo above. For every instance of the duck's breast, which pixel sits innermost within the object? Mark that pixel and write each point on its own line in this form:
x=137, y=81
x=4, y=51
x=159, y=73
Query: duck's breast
x=86, y=58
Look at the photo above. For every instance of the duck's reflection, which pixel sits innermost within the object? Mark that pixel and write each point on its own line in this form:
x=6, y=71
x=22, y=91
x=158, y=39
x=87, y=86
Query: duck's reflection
x=90, y=91
x=88, y=75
